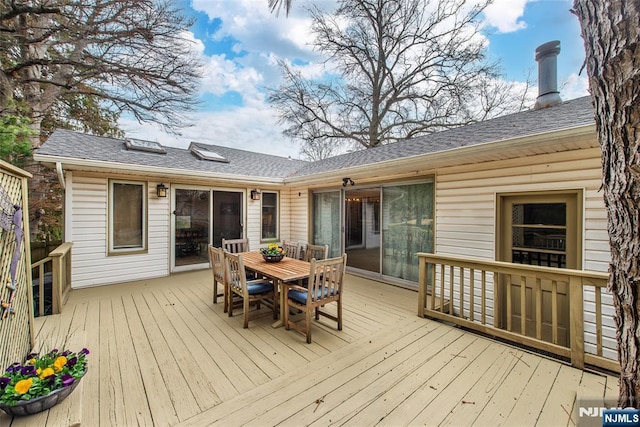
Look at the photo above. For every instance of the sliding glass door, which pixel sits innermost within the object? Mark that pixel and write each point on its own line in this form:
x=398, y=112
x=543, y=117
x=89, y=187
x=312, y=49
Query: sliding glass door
x=191, y=225
x=227, y=216
x=203, y=216
x=362, y=229
x=407, y=228
x=327, y=221
x=381, y=228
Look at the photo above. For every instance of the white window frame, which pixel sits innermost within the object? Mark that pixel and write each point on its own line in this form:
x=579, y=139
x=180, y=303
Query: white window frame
x=129, y=250
x=277, y=219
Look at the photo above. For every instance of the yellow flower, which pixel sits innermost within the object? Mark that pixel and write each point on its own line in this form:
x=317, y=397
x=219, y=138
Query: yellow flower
x=23, y=386
x=47, y=372
x=32, y=361
x=38, y=371
x=59, y=363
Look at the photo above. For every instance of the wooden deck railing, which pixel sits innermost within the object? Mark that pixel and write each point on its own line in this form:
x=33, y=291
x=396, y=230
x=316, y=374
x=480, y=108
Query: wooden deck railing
x=58, y=266
x=480, y=300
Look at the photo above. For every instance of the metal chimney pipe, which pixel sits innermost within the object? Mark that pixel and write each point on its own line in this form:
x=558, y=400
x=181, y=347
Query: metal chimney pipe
x=547, y=58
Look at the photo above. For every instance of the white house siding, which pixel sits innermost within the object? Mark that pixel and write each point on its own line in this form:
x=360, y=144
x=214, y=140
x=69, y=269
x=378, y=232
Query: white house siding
x=89, y=230
x=300, y=217
x=252, y=221
x=285, y=215
x=466, y=216
x=254, y=217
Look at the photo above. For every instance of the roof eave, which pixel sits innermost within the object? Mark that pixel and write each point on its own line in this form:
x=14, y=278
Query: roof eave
x=155, y=171
x=453, y=156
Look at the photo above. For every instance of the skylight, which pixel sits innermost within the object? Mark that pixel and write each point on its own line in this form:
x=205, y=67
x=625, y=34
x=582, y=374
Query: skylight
x=208, y=155
x=142, y=145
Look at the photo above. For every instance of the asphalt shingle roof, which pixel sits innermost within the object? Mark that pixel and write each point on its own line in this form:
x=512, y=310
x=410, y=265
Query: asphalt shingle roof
x=573, y=113
x=65, y=143
x=569, y=114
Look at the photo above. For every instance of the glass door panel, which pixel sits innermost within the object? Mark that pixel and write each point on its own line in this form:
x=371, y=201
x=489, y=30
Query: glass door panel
x=191, y=226
x=539, y=233
x=407, y=223
x=327, y=221
x=362, y=229
x=227, y=216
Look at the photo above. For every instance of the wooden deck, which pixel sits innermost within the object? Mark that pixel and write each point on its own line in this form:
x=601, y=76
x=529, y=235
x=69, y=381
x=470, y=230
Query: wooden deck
x=162, y=354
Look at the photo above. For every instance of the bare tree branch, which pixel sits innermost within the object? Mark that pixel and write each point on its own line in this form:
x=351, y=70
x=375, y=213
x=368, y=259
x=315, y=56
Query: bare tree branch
x=394, y=69
x=130, y=56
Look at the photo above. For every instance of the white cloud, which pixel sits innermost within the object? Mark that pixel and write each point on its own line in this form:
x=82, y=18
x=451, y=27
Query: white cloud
x=505, y=15
x=258, y=30
x=574, y=87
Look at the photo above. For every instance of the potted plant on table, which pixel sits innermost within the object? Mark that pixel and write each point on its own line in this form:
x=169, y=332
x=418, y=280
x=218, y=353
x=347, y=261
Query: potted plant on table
x=41, y=381
x=272, y=253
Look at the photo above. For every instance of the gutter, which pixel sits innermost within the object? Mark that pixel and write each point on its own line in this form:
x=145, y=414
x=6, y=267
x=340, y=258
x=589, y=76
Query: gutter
x=84, y=164
x=453, y=155
x=422, y=161
x=60, y=175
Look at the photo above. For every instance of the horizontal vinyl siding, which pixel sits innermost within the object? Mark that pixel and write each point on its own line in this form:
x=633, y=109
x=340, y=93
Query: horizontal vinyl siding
x=300, y=217
x=465, y=201
x=252, y=222
x=466, y=217
x=285, y=215
x=89, y=222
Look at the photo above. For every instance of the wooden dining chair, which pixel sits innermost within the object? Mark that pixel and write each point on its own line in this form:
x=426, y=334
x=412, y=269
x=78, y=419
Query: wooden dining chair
x=251, y=291
x=291, y=249
x=216, y=261
x=235, y=245
x=319, y=252
x=326, y=279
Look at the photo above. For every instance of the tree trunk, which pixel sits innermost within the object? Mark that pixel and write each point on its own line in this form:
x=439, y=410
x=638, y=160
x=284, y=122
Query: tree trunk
x=612, y=43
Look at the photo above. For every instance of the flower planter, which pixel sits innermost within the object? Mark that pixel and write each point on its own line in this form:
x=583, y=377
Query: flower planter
x=39, y=404
x=273, y=258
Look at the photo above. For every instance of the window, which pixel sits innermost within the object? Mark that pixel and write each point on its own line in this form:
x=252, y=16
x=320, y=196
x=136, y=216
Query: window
x=269, y=216
x=127, y=217
x=539, y=233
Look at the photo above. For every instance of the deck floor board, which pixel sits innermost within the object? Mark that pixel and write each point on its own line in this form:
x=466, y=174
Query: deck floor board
x=163, y=354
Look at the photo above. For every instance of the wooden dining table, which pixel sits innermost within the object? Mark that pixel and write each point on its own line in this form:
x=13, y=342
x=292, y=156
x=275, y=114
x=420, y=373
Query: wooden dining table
x=287, y=270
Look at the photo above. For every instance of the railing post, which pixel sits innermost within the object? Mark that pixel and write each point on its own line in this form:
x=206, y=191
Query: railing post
x=67, y=276
x=56, y=284
x=576, y=321
x=422, y=286
x=61, y=266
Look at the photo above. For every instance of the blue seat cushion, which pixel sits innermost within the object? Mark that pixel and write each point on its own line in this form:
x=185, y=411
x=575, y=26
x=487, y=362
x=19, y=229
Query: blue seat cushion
x=301, y=296
x=259, y=288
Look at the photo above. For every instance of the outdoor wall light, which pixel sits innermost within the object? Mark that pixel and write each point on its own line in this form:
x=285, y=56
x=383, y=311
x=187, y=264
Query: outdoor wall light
x=348, y=181
x=255, y=195
x=161, y=190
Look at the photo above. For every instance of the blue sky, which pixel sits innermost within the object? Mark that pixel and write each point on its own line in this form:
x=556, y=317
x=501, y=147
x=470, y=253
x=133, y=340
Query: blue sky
x=240, y=40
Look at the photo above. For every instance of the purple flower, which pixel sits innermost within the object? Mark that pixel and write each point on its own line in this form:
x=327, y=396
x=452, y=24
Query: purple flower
x=72, y=362
x=67, y=380
x=51, y=380
x=14, y=367
x=28, y=371
x=65, y=353
x=84, y=351
x=4, y=381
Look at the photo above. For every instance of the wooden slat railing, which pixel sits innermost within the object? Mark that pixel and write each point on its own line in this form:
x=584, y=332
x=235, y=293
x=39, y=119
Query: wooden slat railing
x=460, y=280
x=58, y=264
